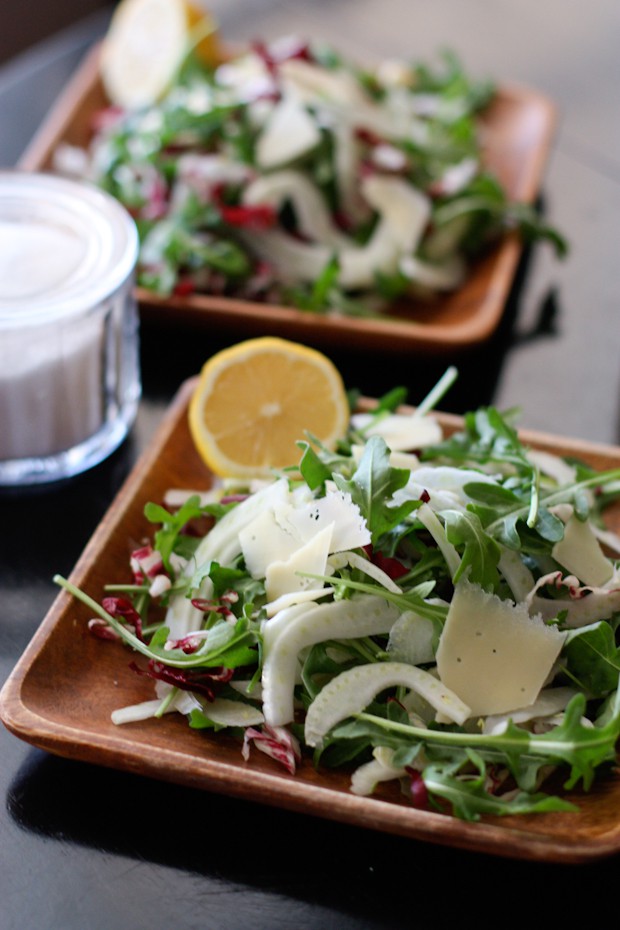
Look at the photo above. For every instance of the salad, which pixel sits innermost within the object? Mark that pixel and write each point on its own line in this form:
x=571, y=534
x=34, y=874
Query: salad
x=443, y=619
x=289, y=175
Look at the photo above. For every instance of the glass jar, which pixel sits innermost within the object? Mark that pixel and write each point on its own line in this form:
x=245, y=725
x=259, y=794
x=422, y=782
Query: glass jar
x=69, y=362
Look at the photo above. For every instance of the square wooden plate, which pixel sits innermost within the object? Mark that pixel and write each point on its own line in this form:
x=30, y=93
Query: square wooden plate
x=518, y=128
x=60, y=695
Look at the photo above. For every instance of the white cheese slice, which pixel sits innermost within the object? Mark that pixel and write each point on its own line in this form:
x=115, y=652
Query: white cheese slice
x=580, y=553
x=289, y=133
x=408, y=460
x=492, y=653
x=282, y=577
x=402, y=432
x=263, y=541
x=337, y=509
x=286, y=525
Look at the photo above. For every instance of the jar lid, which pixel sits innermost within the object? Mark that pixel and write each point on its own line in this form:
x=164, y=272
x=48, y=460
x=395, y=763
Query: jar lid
x=65, y=246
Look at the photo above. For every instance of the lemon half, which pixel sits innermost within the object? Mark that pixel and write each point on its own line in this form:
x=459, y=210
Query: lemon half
x=256, y=399
x=145, y=44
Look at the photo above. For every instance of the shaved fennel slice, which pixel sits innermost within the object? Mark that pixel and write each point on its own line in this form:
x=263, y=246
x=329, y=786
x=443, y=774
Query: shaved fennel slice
x=583, y=604
x=353, y=690
x=221, y=711
x=365, y=779
x=355, y=560
x=221, y=544
x=182, y=617
x=136, y=712
x=228, y=713
x=444, y=485
x=550, y=702
x=166, y=702
x=437, y=277
x=427, y=518
x=295, y=597
x=412, y=639
x=311, y=212
x=272, y=628
x=347, y=158
x=516, y=573
x=403, y=215
x=304, y=625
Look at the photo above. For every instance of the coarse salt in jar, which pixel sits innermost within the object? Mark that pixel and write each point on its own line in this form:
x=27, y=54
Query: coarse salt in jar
x=69, y=363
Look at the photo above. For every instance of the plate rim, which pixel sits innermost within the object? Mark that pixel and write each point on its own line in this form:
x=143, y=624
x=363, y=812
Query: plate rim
x=512, y=840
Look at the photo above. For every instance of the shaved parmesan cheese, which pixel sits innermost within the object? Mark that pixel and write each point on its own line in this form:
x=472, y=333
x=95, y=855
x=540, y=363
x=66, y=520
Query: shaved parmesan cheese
x=353, y=690
x=397, y=459
x=283, y=577
x=580, y=553
x=289, y=133
x=265, y=541
x=553, y=466
x=281, y=532
x=337, y=508
x=492, y=653
x=401, y=431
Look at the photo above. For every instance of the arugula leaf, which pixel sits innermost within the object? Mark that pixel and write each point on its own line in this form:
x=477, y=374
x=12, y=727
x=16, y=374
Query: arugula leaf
x=469, y=798
x=593, y=659
x=314, y=470
x=169, y=538
x=372, y=487
x=480, y=552
x=572, y=743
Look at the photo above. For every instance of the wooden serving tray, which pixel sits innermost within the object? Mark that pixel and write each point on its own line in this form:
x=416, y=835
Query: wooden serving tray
x=62, y=691
x=518, y=128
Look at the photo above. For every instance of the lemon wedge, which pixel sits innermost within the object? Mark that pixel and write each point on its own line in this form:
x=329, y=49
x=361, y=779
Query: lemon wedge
x=145, y=44
x=256, y=399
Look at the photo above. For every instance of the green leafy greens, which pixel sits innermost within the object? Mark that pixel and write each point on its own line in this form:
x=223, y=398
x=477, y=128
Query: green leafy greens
x=329, y=594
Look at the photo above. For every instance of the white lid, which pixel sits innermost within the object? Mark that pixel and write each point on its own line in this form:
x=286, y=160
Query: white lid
x=65, y=246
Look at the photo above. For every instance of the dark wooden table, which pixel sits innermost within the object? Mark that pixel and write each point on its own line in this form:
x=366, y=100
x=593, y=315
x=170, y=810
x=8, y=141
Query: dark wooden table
x=83, y=848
